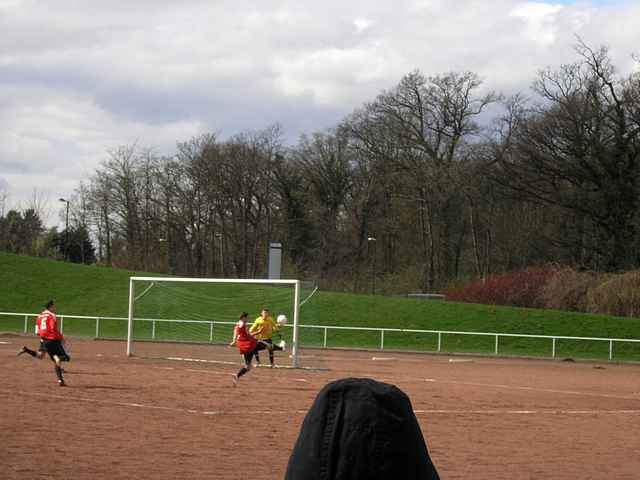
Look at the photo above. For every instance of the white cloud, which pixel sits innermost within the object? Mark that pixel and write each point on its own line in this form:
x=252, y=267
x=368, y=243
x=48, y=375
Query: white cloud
x=362, y=24
x=84, y=77
x=539, y=20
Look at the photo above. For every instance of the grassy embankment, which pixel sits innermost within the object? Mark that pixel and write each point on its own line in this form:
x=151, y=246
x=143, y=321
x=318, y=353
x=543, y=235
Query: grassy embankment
x=26, y=283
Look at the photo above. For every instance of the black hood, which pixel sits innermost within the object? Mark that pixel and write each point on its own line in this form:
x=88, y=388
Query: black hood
x=360, y=429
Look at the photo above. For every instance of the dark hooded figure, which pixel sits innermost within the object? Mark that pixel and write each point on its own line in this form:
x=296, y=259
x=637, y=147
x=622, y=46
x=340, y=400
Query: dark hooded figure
x=360, y=429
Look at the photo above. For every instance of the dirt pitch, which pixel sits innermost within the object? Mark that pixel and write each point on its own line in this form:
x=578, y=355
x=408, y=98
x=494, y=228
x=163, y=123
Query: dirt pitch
x=140, y=418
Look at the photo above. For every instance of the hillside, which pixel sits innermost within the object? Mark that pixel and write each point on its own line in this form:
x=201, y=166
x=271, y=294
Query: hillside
x=27, y=282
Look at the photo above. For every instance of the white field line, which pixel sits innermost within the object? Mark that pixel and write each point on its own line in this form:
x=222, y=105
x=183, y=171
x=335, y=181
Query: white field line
x=200, y=360
x=532, y=389
x=225, y=362
x=211, y=372
x=68, y=398
x=433, y=380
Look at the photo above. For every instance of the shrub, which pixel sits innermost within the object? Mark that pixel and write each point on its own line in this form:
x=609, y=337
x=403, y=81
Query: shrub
x=568, y=289
x=617, y=295
x=519, y=289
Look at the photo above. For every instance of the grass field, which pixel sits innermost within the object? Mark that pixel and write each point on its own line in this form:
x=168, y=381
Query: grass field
x=26, y=283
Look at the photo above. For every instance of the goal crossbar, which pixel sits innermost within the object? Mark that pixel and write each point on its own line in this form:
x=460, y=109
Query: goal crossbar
x=296, y=302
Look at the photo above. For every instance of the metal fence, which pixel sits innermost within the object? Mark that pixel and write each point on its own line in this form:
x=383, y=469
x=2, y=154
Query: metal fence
x=324, y=331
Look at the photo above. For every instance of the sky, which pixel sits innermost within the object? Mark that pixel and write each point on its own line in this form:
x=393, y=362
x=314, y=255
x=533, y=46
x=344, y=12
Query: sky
x=79, y=78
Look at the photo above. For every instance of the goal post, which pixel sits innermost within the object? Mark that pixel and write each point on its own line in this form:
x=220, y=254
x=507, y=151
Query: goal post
x=198, y=310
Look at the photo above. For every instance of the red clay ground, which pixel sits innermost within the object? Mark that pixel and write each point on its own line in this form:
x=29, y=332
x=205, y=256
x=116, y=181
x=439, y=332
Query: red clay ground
x=141, y=418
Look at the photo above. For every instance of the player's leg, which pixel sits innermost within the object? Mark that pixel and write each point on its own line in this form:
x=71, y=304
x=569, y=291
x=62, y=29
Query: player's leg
x=261, y=345
x=62, y=353
x=28, y=351
x=257, y=357
x=273, y=347
x=39, y=354
x=247, y=357
x=57, y=354
x=58, y=370
x=42, y=350
x=281, y=345
x=269, y=344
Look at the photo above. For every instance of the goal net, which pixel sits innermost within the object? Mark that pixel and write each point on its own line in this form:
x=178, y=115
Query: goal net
x=196, y=311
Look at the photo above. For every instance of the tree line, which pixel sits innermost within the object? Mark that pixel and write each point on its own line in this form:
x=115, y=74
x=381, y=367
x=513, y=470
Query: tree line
x=432, y=182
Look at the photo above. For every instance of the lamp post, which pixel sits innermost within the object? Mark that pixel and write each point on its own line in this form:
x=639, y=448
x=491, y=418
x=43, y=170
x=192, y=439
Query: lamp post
x=66, y=230
x=219, y=236
x=373, y=270
x=165, y=246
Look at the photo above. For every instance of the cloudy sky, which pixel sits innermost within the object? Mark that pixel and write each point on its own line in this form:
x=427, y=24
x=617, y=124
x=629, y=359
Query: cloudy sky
x=78, y=78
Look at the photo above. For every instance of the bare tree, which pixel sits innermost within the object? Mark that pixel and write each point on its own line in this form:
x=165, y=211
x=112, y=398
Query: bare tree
x=422, y=127
x=578, y=150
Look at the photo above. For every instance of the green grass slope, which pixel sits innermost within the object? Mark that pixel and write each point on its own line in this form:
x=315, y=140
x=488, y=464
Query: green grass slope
x=26, y=283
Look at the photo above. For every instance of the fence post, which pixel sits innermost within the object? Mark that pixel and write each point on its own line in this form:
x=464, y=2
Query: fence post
x=439, y=341
x=210, y=332
x=325, y=337
x=61, y=324
x=153, y=330
x=610, y=349
x=382, y=339
x=553, y=348
x=97, y=327
x=497, y=336
x=26, y=317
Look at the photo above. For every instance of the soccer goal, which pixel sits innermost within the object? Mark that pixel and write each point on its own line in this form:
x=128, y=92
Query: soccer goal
x=204, y=310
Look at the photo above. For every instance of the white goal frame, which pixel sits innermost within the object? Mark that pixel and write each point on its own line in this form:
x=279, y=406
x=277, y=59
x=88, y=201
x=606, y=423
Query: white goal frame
x=296, y=302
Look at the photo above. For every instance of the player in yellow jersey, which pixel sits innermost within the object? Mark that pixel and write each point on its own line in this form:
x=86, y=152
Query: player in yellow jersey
x=263, y=329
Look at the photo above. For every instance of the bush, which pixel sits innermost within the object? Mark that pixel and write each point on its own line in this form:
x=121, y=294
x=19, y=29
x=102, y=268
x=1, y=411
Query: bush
x=519, y=289
x=568, y=289
x=617, y=295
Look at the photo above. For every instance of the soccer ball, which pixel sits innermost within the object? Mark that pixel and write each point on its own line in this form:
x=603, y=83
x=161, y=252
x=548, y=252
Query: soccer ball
x=282, y=319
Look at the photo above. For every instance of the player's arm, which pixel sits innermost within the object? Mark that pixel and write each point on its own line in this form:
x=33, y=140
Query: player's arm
x=54, y=329
x=256, y=328
x=235, y=338
x=275, y=328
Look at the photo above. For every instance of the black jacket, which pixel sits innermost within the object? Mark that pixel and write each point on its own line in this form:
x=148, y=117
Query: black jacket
x=360, y=429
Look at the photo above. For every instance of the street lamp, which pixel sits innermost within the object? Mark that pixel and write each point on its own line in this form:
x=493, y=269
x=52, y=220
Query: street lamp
x=66, y=230
x=219, y=236
x=373, y=270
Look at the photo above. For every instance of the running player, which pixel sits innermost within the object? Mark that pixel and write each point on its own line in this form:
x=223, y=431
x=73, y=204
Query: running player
x=263, y=329
x=247, y=344
x=50, y=340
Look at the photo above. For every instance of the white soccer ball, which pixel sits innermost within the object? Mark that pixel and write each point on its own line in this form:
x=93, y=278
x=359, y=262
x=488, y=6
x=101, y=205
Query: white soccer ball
x=282, y=319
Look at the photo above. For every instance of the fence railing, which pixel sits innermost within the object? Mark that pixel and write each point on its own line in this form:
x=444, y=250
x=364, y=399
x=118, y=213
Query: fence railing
x=27, y=318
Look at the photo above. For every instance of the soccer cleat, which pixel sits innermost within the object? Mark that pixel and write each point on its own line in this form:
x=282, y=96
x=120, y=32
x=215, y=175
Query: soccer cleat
x=283, y=345
x=61, y=383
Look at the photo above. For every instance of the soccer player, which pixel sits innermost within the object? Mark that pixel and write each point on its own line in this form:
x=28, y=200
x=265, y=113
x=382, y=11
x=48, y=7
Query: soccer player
x=263, y=329
x=247, y=344
x=50, y=340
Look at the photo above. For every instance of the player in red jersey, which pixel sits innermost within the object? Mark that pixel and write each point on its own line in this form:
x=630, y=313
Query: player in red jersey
x=247, y=344
x=50, y=340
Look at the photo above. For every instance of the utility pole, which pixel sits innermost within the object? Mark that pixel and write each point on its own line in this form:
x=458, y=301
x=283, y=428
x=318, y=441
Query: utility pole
x=66, y=231
x=373, y=270
x=219, y=236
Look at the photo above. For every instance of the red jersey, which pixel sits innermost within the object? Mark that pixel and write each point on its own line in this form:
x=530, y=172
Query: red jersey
x=47, y=326
x=244, y=340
